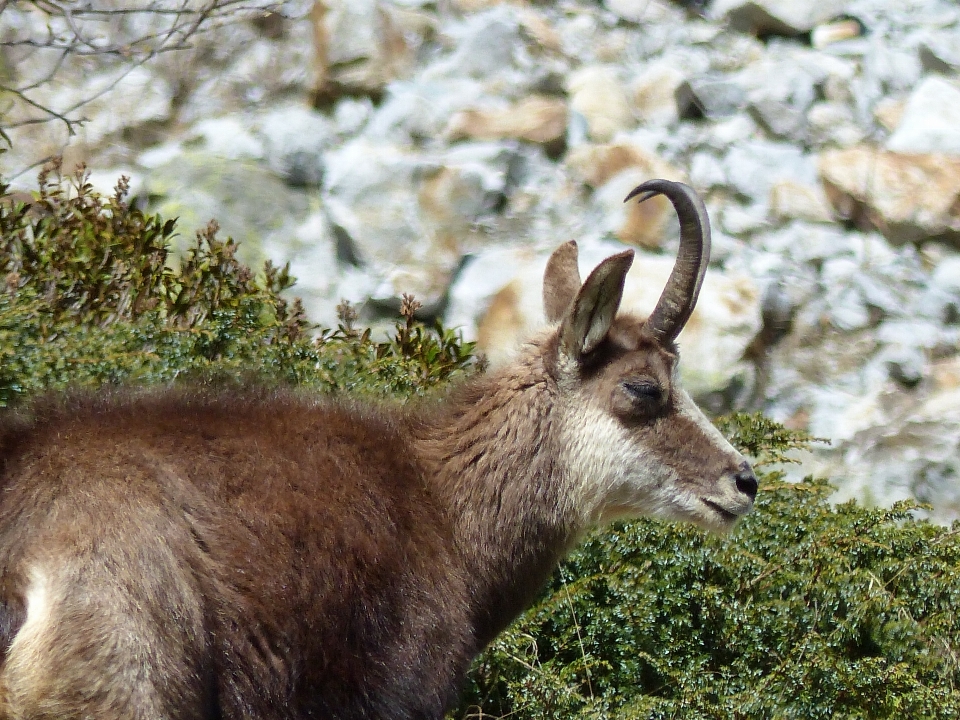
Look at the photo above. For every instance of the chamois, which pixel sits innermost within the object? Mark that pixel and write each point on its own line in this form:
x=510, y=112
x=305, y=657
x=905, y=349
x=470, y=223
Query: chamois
x=187, y=554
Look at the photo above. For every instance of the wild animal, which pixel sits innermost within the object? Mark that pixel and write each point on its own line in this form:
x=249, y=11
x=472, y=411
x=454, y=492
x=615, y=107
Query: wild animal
x=188, y=554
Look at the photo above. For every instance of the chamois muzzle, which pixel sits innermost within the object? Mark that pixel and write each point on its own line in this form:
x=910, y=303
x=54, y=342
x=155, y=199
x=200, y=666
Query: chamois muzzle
x=746, y=480
x=679, y=297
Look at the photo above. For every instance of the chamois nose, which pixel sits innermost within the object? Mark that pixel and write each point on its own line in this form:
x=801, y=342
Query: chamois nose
x=746, y=480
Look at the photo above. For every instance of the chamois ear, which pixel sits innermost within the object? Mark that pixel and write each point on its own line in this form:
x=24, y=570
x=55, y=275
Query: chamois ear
x=588, y=321
x=561, y=281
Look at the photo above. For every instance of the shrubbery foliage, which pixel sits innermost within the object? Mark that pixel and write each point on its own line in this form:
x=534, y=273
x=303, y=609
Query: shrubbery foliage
x=806, y=611
x=90, y=296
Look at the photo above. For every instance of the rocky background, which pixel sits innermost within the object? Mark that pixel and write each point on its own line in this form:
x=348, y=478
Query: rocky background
x=445, y=147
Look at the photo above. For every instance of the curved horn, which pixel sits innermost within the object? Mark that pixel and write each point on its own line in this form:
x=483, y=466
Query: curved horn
x=679, y=297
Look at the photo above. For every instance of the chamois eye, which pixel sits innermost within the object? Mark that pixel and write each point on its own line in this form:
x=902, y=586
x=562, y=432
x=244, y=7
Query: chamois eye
x=644, y=391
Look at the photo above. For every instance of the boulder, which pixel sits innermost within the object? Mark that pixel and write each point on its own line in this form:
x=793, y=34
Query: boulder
x=709, y=97
x=654, y=93
x=907, y=197
x=931, y=120
x=753, y=167
x=913, y=450
x=597, y=93
x=251, y=204
x=791, y=200
x=537, y=119
x=360, y=46
x=294, y=139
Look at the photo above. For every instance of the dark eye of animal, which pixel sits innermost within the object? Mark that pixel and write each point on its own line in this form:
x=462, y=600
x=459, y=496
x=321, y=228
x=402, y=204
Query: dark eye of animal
x=268, y=555
x=644, y=391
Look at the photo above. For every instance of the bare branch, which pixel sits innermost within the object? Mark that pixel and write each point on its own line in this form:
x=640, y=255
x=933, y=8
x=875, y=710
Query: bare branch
x=77, y=29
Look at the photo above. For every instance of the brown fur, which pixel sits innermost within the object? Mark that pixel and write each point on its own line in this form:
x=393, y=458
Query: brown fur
x=265, y=554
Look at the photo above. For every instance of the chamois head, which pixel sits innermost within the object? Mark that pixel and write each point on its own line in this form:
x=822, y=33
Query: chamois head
x=635, y=442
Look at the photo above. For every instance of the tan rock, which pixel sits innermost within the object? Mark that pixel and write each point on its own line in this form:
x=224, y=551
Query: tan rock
x=597, y=93
x=539, y=29
x=888, y=112
x=906, y=197
x=794, y=201
x=613, y=171
x=653, y=93
x=536, y=119
x=361, y=45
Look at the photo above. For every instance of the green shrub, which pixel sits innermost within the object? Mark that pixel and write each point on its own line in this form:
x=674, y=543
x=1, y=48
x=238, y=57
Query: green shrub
x=806, y=611
x=90, y=295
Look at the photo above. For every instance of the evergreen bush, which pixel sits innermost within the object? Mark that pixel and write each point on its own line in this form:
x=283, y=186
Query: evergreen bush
x=807, y=610
x=90, y=295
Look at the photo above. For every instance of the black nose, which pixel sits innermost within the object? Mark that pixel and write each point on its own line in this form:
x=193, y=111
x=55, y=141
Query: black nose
x=746, y=480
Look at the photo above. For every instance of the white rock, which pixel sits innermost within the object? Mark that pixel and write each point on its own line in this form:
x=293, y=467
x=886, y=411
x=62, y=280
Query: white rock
x=706, y=172
x=653, y=93
x=487, y=44
x=739, y=219
x=597, y=93
x=931, y=120
x=228, y=137
x=115, y=101
x=833, y=123
x=753, y=167
x=294, y=139
x=643, y=11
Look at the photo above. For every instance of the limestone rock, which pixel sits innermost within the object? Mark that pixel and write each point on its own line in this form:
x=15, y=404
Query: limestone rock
x=294, y=139
x=833, y=123
x=905, y=197
x=251, y=204
x=536, y=119
x=642, y=11
x=227, y=137
x=930, y=121
x=790, y=200
x=485, y=46
x=598, y=95
x=752, y=167
x=913, y=448
x=938, y=52
x=360, y=45
x=654, y=92
x=710, y=98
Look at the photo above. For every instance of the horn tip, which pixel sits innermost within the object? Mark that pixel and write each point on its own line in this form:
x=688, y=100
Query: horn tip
x=650, y=188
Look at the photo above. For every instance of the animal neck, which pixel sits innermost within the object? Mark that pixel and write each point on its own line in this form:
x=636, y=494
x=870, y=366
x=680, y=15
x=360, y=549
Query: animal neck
x=492, y=450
